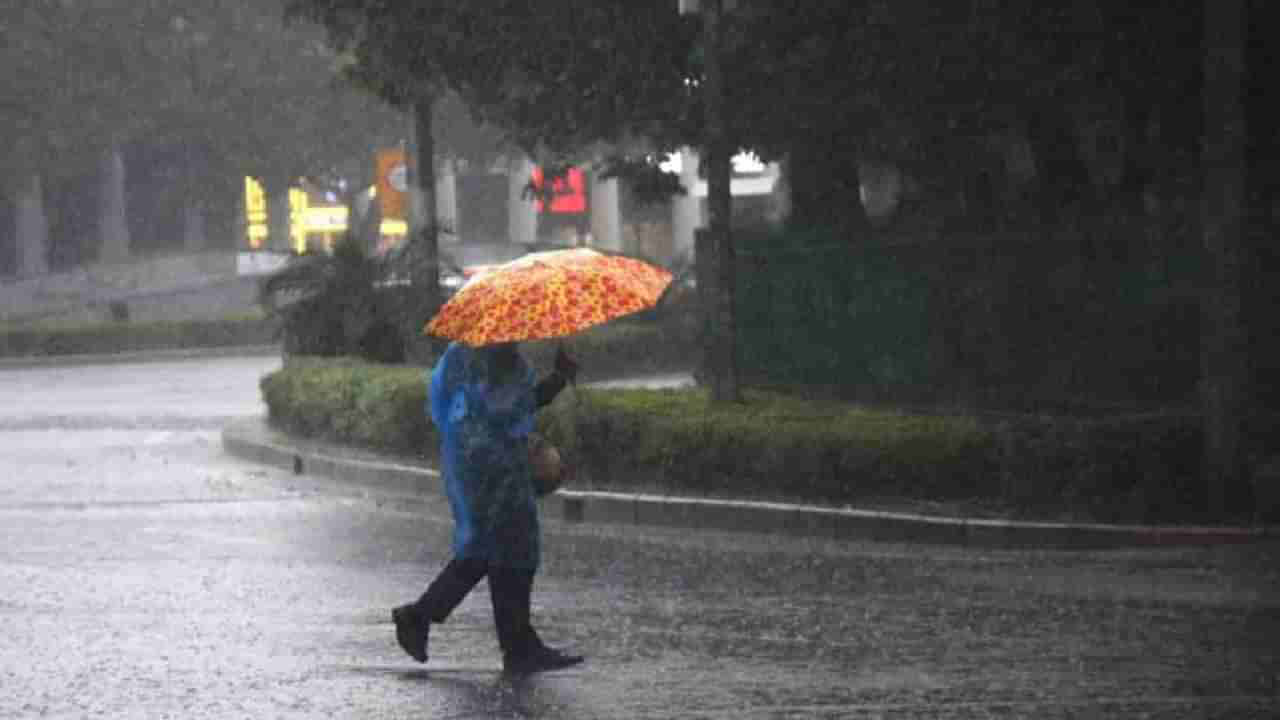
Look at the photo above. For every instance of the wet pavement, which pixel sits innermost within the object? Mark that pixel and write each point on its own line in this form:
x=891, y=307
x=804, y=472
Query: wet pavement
x=146, y=574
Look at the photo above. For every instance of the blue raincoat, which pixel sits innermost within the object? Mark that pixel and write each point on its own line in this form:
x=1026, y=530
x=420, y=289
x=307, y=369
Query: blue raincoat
x=484, y=425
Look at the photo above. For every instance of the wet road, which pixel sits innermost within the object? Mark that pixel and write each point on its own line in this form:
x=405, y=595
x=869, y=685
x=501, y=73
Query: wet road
x=147, y=575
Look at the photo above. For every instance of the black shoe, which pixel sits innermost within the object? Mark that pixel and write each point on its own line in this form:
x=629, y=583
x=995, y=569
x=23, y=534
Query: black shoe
x=412, y=631
x=542, y=659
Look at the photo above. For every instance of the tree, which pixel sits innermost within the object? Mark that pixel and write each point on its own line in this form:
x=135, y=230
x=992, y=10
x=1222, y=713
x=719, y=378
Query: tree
x=219, y=89
x=65, y=85
x=558, y=79
x=332, y=305
x=264, y=99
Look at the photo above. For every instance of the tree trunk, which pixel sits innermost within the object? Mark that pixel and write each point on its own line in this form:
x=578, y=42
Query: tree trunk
x=113, y=227
x=425, y=253
x=606, y=214
x=824, y=183
x=194, y=231
x=278, y=215
x=194, y=234
x=1063, y=179
x=522, y=214
x=364, y=219
x=32, y=229
x=721, y=361
x=1224, y=353
x=447, y=197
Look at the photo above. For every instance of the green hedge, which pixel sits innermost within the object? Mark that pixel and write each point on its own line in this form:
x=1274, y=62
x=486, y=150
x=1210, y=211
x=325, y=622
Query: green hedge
x=1118, y=469
x=771, y=447
x=382, y=406
x=377, y=406
x=132, y=337
x=1131, y=468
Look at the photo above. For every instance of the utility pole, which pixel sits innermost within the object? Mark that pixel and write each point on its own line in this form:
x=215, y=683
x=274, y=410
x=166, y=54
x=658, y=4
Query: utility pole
x=715, y=244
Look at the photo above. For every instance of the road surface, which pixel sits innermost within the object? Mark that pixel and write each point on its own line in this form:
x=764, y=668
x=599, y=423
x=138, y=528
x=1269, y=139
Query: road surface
x=145, y=574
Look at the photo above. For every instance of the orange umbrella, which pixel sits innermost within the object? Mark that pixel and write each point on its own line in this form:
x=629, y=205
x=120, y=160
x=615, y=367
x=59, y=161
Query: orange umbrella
x=547, y=295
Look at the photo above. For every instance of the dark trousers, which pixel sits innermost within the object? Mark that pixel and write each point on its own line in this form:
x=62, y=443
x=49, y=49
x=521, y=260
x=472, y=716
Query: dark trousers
x=510, y=590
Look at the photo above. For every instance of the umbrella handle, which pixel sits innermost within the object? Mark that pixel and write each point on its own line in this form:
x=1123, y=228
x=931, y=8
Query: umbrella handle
x=573, y=381
x=560, y=352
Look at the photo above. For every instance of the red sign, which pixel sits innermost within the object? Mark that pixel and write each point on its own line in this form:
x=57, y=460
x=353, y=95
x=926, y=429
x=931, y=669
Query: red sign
x=569, y=193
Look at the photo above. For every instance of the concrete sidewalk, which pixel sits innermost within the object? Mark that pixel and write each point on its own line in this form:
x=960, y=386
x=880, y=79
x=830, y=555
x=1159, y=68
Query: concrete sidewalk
x=252, y=439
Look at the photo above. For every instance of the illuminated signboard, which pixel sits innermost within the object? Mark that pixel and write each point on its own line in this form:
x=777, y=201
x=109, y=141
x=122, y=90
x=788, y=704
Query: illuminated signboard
x=570, y=192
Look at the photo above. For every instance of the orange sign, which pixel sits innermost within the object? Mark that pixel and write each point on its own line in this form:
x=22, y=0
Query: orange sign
x=393, y=184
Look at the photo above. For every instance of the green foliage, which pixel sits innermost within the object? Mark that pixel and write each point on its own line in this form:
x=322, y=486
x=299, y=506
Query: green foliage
x=227, y=78
x=132, y=337
x=561, y=81
x=266, y=98
x=555, y=76
x=827, y=453
x=771, y=445
x=73, y=71
x=332, y=305
x=1129, y=468
x=1133, y=468
x=352, y=401
x=931, y=87
x=649, y=184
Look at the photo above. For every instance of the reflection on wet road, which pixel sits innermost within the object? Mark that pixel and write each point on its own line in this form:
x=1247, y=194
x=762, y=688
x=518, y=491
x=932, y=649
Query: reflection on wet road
x=146, y=575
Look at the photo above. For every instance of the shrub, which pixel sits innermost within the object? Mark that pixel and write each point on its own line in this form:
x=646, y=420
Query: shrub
x=1129, y=468
x=772, y=446
x=1137, y=468
x=337, y=304
x=349, y=400
x=135, y=337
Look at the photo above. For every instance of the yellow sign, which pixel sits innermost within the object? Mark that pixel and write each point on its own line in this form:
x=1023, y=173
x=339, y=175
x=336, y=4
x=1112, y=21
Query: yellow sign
x=298, y=204
x=328, y=219
x=309, y=224
x=255, y=207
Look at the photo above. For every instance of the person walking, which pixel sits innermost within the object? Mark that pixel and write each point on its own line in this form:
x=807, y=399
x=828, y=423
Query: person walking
x=483, y=400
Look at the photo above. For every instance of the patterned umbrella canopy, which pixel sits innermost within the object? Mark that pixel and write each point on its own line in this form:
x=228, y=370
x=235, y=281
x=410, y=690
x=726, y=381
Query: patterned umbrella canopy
x=547, y=295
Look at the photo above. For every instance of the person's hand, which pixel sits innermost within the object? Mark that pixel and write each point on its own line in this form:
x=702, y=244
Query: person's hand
x=565, y=366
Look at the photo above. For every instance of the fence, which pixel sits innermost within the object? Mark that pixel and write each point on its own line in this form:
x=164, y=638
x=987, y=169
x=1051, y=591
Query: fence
x=1018, y=321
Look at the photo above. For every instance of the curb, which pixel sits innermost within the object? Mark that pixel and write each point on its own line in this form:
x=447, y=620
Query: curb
x=18, y=363
x=252, y=439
